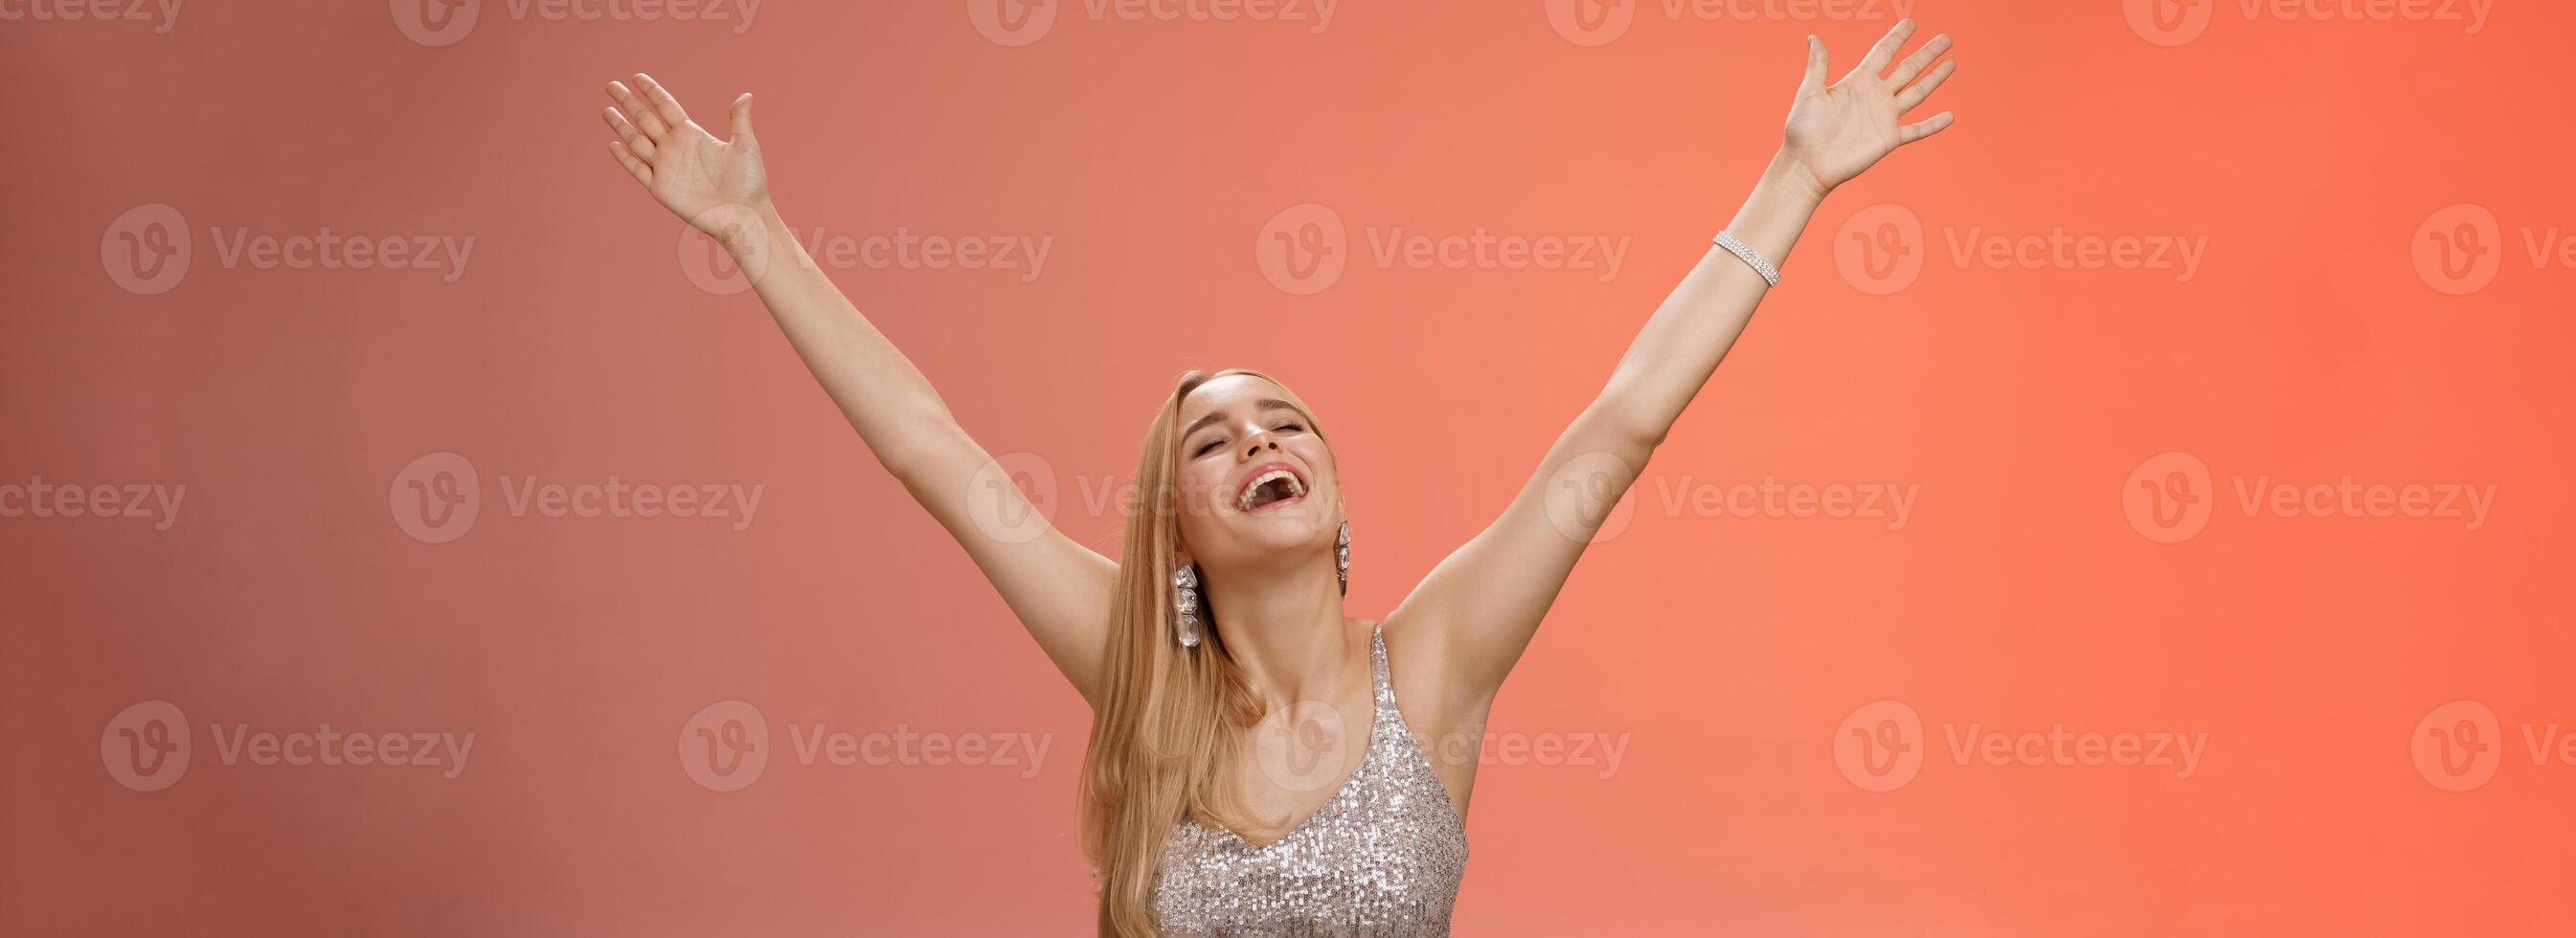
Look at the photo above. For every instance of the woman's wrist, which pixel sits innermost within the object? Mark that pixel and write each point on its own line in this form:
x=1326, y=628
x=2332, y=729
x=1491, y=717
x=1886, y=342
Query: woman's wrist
x=765, y=228
x=1790, y=176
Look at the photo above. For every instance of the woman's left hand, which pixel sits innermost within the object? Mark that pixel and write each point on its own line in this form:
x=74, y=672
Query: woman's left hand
x=1836, y=131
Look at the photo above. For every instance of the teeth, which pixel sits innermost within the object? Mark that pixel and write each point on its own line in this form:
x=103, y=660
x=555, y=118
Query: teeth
x=1295, y=488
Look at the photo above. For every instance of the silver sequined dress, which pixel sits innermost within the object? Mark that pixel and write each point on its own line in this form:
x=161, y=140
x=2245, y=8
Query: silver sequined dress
x=1381, y=858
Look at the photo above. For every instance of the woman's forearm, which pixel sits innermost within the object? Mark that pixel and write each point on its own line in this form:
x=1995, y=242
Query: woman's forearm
x=1681, y=345
x=887, y=400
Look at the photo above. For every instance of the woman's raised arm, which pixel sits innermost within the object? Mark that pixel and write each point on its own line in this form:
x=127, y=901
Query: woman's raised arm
x=1059, y=589
x=1476, y=611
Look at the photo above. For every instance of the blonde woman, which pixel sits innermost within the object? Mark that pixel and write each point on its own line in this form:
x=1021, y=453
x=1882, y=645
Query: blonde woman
x=1257, y=762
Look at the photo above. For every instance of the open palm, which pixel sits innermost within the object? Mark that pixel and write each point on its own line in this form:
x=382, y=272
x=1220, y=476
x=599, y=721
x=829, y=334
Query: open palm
x=686, y=168
x=1837, y=131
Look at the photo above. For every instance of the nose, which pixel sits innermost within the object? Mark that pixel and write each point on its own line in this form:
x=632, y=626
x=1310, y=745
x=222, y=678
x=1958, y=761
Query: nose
x=1258, y=442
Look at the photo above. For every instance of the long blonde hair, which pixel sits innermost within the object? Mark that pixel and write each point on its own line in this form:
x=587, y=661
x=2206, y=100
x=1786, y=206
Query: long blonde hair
x=1167, y=738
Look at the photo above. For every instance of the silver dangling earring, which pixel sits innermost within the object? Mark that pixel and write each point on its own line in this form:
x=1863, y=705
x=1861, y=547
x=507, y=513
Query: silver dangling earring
x=1185, y=581
x=1342, y=558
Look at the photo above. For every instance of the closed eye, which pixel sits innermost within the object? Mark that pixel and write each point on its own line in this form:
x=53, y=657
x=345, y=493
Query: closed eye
x=1211, y=445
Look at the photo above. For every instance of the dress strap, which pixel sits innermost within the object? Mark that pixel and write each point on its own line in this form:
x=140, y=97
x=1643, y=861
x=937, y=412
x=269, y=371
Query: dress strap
x=1380, y=674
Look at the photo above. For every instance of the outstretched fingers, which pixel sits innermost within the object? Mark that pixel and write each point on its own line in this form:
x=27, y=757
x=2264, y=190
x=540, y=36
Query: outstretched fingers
x=1916, y=92
x=1922, y=128
x=634, y=107
x=1885, y=51
x=635, y=141
x=664, y=105
x=642, y=171
x=1914, y=64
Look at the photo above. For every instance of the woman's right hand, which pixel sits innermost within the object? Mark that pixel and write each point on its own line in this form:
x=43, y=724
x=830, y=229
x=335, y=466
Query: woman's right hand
x=688, y=170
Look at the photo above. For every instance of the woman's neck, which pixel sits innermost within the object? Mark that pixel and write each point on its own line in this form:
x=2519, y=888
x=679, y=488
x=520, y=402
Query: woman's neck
x=1288, y=634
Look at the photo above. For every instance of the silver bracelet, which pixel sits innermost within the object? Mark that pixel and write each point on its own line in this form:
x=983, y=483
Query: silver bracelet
x=1769, y=273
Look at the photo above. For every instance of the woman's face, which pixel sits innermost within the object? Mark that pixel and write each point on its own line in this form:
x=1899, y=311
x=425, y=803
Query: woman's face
x=1257, y=486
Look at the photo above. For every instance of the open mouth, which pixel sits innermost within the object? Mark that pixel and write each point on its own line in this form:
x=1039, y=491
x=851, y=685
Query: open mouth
x=1273, y=486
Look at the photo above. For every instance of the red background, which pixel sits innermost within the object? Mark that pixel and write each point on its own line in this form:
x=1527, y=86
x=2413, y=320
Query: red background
x=1725, y=649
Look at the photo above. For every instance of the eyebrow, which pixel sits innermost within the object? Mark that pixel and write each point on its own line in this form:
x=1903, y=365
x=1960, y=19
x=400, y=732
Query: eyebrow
x=1263, y=405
